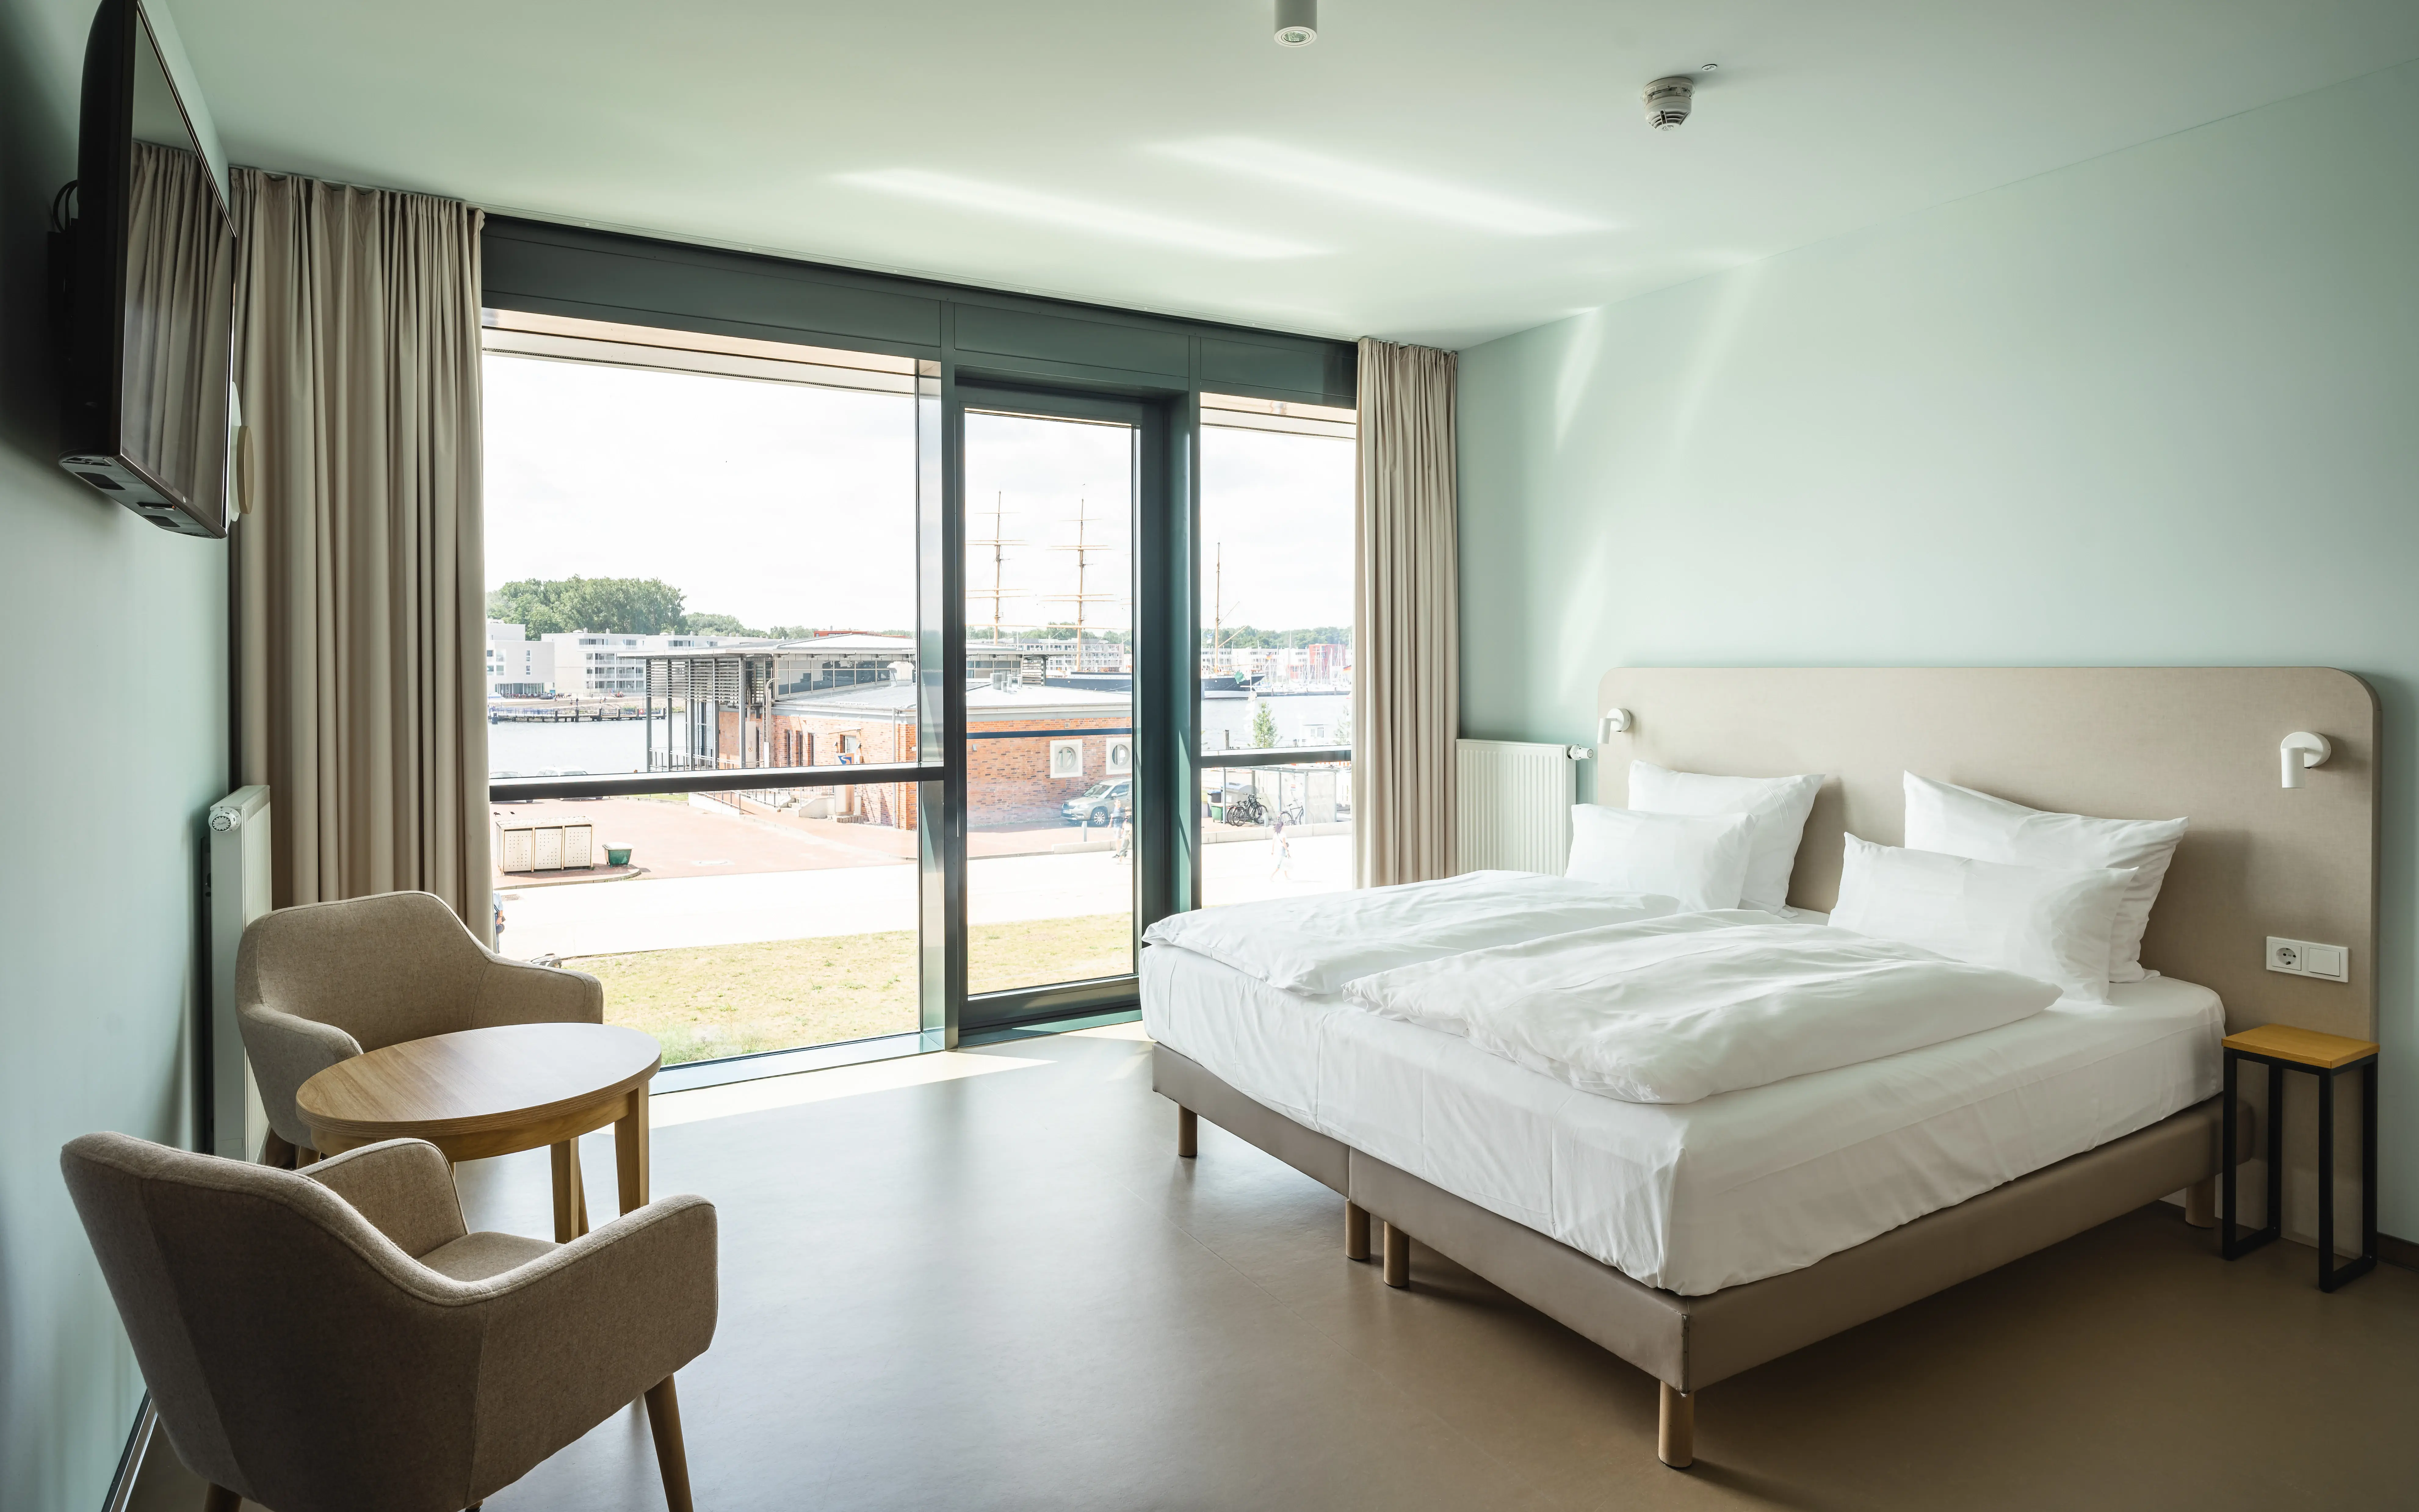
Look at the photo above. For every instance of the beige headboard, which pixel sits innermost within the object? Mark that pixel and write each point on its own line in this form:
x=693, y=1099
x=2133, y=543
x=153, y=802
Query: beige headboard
x=2122, y=741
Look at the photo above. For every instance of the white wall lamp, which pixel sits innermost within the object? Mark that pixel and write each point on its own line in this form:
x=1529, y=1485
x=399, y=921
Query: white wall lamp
x=2300, y=750
x=1615, y=721
x=1297, y=23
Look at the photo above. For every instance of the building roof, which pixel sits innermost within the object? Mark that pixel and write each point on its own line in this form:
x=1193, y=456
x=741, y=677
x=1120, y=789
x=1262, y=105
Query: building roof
x=852, y=640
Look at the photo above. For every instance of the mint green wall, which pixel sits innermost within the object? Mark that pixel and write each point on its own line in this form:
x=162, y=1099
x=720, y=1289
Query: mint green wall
x=2158, y=408
x=113, y=687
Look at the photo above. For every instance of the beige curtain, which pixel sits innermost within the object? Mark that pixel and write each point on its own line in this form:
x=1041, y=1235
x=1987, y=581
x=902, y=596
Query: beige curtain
x=1407, y=664
x=361, y=570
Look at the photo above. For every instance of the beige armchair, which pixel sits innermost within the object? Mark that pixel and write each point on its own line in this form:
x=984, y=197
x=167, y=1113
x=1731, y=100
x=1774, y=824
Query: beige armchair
x=334, y=1341
x=322, y=983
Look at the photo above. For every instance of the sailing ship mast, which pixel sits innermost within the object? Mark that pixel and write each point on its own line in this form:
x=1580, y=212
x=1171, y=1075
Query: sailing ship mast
x=996, y=592
x=1083, y=597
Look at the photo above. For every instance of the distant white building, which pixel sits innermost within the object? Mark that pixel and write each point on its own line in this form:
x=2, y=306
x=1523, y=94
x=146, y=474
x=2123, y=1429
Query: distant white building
x=517, y=666
x=589, y=664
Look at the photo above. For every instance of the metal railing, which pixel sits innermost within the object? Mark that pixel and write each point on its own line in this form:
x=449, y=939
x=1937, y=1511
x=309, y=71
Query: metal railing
x=1272, y=756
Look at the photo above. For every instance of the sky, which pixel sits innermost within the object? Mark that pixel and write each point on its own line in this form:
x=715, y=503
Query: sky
x=789, y=504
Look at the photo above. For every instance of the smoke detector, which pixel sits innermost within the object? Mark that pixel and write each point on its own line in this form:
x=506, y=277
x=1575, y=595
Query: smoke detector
x=1297, y=23
x=1667, y=101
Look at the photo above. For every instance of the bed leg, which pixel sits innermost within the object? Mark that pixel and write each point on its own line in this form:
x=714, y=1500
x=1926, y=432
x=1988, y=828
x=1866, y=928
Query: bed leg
x=1188, y=1133
x=2200, y=1203
x=1398, y=1257
x=1356, y=1231
x=1675, y=1433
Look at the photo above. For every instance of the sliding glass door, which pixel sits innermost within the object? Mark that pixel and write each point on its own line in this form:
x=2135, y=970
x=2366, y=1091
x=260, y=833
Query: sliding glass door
x=1053, y=487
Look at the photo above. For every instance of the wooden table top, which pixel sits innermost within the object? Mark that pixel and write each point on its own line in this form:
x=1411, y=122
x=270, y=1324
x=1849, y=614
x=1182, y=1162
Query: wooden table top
x=2306, y=1047
x=478, y=1080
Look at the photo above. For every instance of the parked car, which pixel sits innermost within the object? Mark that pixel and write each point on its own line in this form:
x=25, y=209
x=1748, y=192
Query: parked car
x=1094, y=806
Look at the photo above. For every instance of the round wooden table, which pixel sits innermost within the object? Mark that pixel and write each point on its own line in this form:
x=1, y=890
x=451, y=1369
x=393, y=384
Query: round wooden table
x=485, y=1092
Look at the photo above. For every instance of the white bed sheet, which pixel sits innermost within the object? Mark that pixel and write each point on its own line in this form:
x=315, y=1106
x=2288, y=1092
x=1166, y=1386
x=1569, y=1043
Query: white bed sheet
x=1697, y=1197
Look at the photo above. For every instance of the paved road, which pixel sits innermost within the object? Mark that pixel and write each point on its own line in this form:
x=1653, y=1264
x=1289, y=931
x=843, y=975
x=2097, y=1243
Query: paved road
x=656, y=914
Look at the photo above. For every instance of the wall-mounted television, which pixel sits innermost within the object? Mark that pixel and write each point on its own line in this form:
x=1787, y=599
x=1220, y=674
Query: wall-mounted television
x=144, y=281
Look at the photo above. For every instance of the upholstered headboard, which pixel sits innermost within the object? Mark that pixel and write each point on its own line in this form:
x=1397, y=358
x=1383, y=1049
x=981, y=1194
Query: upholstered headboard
x=2120, y=742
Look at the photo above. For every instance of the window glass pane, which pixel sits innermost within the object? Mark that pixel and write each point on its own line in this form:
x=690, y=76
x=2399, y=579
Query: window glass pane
x=1050, y=736
x=1276, y=647
x=722, y=924
x=703, y=554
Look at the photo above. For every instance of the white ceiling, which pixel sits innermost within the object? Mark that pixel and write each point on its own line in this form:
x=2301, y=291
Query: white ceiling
x=1427, y=171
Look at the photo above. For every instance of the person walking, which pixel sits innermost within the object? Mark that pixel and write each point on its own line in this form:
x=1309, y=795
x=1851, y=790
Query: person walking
x=1280, y=849
x=1125, y=838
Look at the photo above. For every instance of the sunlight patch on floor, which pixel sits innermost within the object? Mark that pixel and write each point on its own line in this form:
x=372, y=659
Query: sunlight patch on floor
x=734, y=1098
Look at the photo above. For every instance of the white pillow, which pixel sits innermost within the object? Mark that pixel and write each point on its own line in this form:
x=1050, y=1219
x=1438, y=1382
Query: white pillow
x=1776, y=808
x=2049, y=923
x=1700, y=861
x=1960, y=822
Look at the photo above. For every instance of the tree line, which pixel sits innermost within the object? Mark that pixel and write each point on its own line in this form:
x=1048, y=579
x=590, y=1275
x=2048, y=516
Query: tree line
x=649, y=606
x=1246, y=638
x=618, y=606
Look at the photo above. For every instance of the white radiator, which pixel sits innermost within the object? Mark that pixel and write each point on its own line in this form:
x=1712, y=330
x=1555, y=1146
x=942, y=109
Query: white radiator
x=1513, y=806
x=239, y=871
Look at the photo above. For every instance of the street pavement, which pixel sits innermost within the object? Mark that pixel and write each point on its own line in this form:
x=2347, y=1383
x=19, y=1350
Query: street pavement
x=866, y=894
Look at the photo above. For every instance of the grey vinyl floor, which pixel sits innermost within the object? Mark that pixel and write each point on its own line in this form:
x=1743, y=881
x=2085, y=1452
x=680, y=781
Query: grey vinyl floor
x=1003, y=1290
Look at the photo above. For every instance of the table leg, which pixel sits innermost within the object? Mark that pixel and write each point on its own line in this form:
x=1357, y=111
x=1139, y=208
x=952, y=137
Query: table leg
x=570, y=1203
x=2326, y=1180
x=2275, y=1225
x=2368, y=1159
x=630, y=1151
x=2226, y=1157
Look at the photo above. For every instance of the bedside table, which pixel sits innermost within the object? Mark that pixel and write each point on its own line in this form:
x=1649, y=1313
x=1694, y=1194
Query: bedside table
x=2282, y=1048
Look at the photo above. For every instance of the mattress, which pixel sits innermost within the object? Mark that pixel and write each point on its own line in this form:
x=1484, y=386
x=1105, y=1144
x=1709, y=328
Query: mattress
x=1697, y=1197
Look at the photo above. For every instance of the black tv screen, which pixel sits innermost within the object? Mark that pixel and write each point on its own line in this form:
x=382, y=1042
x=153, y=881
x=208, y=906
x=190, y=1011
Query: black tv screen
x=149, y=285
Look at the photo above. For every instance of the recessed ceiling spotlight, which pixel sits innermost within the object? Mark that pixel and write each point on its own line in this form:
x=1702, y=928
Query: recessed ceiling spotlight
x=1667, y=101
x=1297, y=23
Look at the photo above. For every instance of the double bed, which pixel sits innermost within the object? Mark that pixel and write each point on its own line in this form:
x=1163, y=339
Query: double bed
x=1697, y=1238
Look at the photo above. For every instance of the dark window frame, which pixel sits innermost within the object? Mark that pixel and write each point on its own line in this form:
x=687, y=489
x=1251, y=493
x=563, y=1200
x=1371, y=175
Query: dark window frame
x=978, y=346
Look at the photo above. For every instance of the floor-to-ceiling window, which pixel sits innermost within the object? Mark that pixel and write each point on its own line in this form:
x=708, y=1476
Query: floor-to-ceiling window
x=1275, y=721
x=871, y=659
x=703, y=557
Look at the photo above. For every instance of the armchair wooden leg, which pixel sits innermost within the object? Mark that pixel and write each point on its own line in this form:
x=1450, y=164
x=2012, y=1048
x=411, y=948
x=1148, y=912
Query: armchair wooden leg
x=2200, y=1203
x=672, y=1457
x=275, y=1151
x=1675, y=1435
x=1356, y=1231
x=1398, y=1257
x=219, y=1499
x=1188, y=1133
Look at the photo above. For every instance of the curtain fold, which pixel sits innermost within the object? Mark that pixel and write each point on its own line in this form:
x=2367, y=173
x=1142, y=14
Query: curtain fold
x=1407, y=674
x=361, y=557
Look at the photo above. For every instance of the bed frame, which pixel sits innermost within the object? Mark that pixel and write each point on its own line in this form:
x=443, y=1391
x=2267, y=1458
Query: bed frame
x=1690, y=1343
x=2145, y=742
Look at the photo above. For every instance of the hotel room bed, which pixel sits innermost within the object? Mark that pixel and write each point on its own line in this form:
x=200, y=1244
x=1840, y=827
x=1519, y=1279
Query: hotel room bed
x=1692, y=1197
x=1697, y=1240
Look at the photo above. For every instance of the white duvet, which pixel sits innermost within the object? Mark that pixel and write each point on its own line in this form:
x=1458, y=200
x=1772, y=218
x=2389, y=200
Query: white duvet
x=1317, y=944
x=1680, y=1007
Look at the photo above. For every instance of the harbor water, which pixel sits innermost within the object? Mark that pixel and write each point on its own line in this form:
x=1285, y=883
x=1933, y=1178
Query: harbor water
x=621, y=745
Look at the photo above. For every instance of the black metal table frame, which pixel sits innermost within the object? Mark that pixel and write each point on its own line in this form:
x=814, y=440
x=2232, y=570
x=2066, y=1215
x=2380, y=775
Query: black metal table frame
x=2234, y=1246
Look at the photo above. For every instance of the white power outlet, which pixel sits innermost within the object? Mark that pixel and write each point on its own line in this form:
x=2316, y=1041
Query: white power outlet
x=2304, y=957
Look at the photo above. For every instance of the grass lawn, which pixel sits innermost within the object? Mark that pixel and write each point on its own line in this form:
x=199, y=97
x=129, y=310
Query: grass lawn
x=738, y=999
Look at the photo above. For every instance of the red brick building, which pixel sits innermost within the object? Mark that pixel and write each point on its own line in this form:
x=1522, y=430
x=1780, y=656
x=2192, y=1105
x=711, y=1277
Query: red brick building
x=1029, y=748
